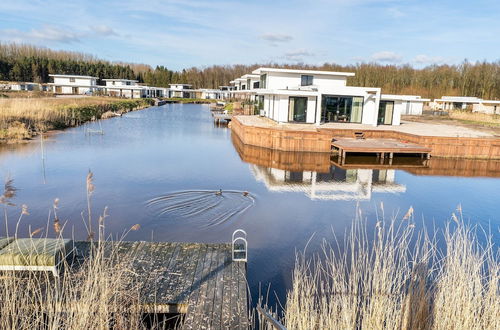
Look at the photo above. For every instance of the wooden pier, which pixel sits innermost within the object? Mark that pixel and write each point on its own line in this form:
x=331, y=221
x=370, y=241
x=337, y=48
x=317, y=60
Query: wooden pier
x=200, y=281
x=384, y=148
x=221, y=117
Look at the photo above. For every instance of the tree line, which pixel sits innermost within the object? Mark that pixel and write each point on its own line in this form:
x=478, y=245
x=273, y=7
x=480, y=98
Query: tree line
x=31, y=63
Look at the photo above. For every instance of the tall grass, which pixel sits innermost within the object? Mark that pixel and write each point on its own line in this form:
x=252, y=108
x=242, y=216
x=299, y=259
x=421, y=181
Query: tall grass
x=95, y=290
x=396, y=278
x=21, y=117
x=476, y=117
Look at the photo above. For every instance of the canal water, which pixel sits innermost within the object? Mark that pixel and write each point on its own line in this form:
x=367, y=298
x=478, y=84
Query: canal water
x=181, y=178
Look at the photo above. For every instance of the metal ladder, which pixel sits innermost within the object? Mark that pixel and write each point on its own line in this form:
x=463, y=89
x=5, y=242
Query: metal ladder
x=239, y=246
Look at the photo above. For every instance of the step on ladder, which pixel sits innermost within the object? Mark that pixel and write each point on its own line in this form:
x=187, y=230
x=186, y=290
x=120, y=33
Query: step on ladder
x=239, y=246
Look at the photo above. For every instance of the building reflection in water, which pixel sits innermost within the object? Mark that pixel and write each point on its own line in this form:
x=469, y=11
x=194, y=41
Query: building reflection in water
x=337, y=184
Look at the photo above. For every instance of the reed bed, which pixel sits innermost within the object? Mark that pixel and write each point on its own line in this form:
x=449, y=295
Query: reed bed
x=396, y=278
x=94, y=290
x=21, y=118
x=476, y=117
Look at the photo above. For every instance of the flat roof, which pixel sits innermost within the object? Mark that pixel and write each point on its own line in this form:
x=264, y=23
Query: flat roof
x=459, y=99
x=248, y=75
x=119, y=79
x=415, y=98
x=299, y=71
x=180, y=84
x=71, y=76
x=490, y=101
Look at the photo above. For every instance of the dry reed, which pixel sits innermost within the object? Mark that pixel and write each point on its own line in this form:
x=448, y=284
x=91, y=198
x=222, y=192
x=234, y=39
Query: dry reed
x=476, y=117
x=396, y=278
x=96, y=288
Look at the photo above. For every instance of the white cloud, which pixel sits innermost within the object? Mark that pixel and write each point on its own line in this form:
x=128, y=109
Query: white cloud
x=275, y=38
x=103, y=30
x=298, y=55
x=47, y=33
x=426, y=59
x=387, y=56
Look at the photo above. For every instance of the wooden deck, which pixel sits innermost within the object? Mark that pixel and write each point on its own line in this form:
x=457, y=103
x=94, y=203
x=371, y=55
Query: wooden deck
x=381, y=147
x=198, y=280
x=221, y=117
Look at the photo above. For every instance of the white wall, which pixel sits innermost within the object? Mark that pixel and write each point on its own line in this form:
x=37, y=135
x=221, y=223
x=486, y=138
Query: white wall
x=280, y=80
x=77, y=82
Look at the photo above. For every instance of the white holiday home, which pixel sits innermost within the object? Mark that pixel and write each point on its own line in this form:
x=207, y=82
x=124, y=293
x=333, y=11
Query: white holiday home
x=316, y=97
x=74, y=84
x=181, y=91
x=401, y=105
x=491, y=107
x=124, y=88
x=455, y=103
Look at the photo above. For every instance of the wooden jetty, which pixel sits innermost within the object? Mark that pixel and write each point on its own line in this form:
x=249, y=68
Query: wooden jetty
x=221, y=117
x=382, y=147
x=200, y=281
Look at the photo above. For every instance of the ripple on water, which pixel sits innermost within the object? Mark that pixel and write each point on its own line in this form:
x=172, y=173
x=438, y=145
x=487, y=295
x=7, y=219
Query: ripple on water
x=206, y=207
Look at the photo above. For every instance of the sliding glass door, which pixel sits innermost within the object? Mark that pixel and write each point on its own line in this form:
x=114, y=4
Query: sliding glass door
x=297, y=108
x=385, y=112
x=344, y=109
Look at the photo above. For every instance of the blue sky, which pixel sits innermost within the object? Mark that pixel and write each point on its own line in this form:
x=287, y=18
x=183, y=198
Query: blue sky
x=183, y=33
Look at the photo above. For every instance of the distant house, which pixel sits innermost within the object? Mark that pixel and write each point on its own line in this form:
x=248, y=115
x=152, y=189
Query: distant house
x=404, y=104
x=491, y=107
x=74, y=84
x=455, y=103
x=19, y=86
x=181, y=90
x=318, y=97
x=124, y=88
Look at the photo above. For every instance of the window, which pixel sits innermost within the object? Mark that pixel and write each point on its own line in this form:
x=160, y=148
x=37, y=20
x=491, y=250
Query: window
x=256, y=85
x=345, y=109
x=385, y=112
x=128, y=83
x=306, y=80
x=297, y=109
x=249, y=84
x=71, y=79
x=263, y=78
x=243, y=87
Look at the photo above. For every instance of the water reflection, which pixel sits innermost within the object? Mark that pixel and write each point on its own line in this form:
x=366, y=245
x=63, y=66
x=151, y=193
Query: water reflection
x=337, y=184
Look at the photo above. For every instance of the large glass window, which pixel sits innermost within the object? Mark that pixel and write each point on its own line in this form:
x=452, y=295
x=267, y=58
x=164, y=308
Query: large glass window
x=263, y=78
x=249, y=84
x=306, y=80
x=385, y=112
x=297, y=108
x=256, y=85
x=345, y=109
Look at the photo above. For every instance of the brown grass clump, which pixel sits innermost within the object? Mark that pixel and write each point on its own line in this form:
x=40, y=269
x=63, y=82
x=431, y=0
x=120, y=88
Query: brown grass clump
x=398, y=279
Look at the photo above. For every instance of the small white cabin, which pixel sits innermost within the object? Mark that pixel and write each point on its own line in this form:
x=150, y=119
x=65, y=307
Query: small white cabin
x=404, y=104
x=491, y=107
x=455, y=103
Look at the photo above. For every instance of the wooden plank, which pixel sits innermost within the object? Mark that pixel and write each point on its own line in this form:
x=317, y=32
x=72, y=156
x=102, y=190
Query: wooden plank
x=199, y=321
x=227, y=316
x=219, y=285
x=235, y=320
x=195, y=288
x=242, y=295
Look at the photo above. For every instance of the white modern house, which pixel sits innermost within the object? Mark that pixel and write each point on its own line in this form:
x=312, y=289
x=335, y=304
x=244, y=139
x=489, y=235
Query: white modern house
x=74, y=84
x=491, y=107
x=338, y=184
x=181, y=90
x=455, y=102
x=401, y=104
x=124, y=88
x=317, y=97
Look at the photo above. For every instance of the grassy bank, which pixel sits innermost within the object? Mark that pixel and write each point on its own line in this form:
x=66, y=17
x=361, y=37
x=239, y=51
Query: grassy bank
x=382, y=279
x=21, y=118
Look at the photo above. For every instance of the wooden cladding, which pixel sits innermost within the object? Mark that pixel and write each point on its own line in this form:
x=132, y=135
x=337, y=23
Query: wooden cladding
x=319, y=140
